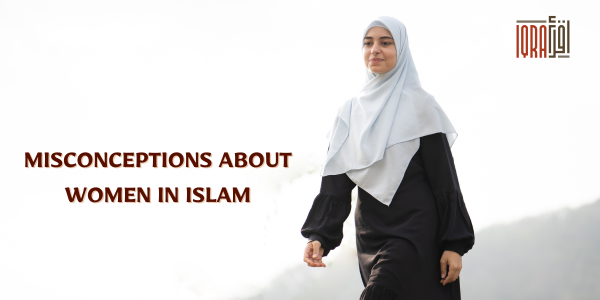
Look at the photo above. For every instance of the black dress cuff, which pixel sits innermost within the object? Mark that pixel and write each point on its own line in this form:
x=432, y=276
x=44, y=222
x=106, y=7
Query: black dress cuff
x=460, y=247
x=325, y=221
x=456, y=229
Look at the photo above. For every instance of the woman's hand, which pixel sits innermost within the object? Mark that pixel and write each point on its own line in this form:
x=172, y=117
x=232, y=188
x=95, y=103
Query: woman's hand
x=454, y=260
x=313, y=254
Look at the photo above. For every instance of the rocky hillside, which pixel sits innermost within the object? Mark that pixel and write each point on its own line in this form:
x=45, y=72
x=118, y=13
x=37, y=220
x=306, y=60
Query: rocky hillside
x=555, y=256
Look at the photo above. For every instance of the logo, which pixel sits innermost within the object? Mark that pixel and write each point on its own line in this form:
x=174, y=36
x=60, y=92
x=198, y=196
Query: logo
x=541, y=41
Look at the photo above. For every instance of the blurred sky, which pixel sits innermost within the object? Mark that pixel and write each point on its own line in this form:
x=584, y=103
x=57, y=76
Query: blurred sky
x=258, y=76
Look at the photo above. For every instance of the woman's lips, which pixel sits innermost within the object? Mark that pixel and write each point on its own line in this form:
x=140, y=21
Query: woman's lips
x=376, y=60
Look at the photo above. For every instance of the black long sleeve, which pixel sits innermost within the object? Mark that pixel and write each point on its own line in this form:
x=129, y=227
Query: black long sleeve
x=330, y=209
x=456, y=228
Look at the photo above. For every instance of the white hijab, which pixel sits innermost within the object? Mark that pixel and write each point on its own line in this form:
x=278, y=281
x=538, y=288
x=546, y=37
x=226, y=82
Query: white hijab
x=376, y=133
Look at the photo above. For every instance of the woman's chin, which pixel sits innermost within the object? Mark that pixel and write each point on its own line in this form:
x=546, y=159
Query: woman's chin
x=378, y=70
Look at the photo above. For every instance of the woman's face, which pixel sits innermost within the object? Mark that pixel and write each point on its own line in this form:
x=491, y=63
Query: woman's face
x=379, y=50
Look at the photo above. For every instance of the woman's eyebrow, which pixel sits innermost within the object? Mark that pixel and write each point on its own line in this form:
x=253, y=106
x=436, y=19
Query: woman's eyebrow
x=381, y=38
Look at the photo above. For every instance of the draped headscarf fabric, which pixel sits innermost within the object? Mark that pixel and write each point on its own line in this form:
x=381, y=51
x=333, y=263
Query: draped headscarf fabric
x=376, y=133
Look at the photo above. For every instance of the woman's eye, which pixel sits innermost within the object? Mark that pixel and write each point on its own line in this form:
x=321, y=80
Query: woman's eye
x=367, y=43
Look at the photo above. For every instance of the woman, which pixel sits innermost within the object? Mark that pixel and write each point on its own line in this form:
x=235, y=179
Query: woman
x=393, y=141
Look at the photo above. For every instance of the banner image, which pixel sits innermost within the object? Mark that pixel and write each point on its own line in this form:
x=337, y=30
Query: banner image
x=285, y=150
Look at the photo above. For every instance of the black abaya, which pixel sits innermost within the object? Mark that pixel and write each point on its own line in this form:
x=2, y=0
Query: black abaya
x=399, y=247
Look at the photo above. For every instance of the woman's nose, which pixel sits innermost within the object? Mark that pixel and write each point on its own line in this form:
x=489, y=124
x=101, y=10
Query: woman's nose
x=375, y=49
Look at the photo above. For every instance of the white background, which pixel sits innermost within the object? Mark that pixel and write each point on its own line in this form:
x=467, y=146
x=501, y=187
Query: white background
x=259, y=76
